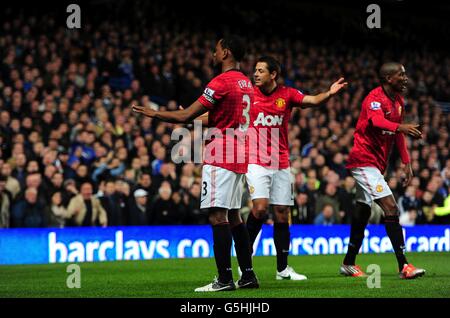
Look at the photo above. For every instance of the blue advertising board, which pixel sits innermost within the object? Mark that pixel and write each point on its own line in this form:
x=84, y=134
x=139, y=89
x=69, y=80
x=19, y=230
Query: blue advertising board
x=47, y=245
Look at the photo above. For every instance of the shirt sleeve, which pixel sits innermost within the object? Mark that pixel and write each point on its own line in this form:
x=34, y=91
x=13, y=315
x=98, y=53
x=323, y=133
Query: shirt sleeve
x=213, y=93
x=376, y=116
x=296, y=97
x=401, y=145
x=400, y=139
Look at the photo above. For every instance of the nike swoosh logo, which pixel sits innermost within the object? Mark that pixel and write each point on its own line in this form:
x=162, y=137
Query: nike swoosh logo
x=255, y=103
x=203, y=200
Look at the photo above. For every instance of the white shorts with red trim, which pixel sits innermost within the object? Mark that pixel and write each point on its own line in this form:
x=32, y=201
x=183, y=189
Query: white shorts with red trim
x=273, y=184
x=370, y=185
x=221, y=188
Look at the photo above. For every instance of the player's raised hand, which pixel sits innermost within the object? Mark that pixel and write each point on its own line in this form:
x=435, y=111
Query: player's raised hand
x=337, y=86
x=410, y=129
x=146, y=111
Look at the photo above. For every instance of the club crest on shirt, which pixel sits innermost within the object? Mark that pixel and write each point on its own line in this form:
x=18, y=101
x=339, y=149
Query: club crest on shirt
x=252, y=189
x=379, y=188
x=399, y=110
x=375, y=105
x=281, y=103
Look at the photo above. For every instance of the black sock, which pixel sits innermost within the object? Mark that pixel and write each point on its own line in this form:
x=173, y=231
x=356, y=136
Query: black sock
x=282, y=239
x=360, y=217
x=254, y=225
x=394, y=231
x=243, y=251
x=222, y=251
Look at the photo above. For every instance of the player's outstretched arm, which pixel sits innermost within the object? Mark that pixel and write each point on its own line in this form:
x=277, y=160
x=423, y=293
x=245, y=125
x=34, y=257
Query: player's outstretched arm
x=318, y=99
x=377, y=119
x=178, y=116
x=204, y=118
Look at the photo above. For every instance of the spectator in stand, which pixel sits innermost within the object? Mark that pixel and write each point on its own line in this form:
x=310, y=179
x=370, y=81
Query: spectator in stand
x=139, y=212
x=12, y=184
x=409, y=217
x=58, y=213
x=86, y=209
x=442, y=212
x=408, y=201
x=303, y=212
x=5, y=203
x=164, y=210
x=29, y=211
x=329, y=197
x=111, y=202
x=326, y=216
x=191, y=201
x=347, y=199
x=145, y=182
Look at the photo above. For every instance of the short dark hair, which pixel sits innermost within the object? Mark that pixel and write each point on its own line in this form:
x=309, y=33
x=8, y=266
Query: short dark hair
x=388, y=69
x=272, y=64
x=235, y=44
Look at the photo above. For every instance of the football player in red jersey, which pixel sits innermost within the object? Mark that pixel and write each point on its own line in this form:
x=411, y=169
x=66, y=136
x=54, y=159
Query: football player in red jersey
x=228, y=98
x=269, y=176
x=380, y=126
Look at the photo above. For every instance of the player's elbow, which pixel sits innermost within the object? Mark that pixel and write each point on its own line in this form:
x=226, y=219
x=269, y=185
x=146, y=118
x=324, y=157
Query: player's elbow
x=184, y=117
x=187, y=118
x=315, y=101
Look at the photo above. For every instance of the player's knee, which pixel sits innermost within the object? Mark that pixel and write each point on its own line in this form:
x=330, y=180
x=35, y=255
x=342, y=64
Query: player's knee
x=393, y=211
x=212, y=219
x=389, y=206
x=259, y=212
x=282, y=214
x=281, y=210
x=217, y=218
x=281, y=218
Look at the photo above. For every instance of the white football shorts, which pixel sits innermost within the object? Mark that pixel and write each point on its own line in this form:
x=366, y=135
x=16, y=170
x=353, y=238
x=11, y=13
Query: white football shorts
x=370, y=185
x=221, y=188
x=273, y=184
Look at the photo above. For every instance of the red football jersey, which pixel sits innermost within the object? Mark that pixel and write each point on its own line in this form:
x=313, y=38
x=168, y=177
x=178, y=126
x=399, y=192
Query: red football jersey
x=228, y=97
x=372, y=145
x=268, y=132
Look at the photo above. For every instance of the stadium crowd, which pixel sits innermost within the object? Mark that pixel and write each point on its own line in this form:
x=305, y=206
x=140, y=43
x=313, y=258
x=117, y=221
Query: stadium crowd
x=73, y=154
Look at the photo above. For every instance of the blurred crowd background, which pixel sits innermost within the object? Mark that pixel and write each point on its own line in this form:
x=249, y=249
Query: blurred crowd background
x=73, y=154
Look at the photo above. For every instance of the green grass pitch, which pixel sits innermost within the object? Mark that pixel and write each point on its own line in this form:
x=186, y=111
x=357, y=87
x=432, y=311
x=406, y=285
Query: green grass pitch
x=177, y=278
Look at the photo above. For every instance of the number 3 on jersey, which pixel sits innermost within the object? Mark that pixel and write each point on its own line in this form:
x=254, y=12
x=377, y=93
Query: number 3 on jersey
x=205, y=186
x=245, y=120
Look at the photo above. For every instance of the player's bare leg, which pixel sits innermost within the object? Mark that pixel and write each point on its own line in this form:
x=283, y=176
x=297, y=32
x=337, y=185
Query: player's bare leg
x=282, y=240
x=218, y=217
x=243, y=250
x=360, y=218
x=394, y=231
x=256, y=217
